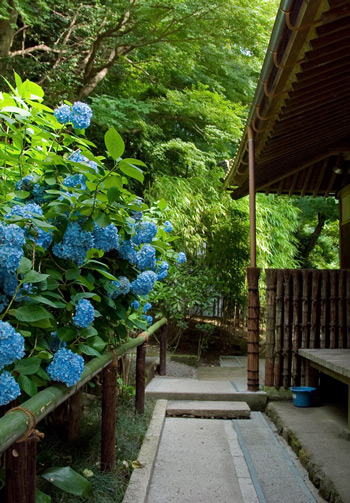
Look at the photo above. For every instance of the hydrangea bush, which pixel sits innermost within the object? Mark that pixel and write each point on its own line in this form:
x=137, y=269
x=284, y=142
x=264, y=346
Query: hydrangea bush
x=80, y=253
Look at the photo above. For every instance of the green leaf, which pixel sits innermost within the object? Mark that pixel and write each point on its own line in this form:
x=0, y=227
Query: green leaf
x=85, y=282
x=41, y=497
x=54, y=274
x=48, y=302
x=32, y=313
x=137, y=162
x=72, y=274
x=88, y=332
x=101, y=218
x=27, y=385
x=131, y=170
x=22, y=194
x=122, y=332
x=113, y=194
x=162, y=204
x=24, y=266
x=106, y=274
x=114, y=143
x=113, y=181
x=67, y=333
x=87, y=350
x=97, y=343
x=140, y=324
x=34, y=277
x=120, y=311
x=28, y=366
x=68, y=480
x=17, y=110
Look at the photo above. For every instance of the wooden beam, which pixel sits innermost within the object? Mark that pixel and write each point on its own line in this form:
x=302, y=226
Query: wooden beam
x=320, y=177
x=306, y=181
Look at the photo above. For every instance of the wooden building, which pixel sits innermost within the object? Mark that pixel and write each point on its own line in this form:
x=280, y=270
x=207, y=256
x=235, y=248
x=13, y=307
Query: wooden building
x=297, y=142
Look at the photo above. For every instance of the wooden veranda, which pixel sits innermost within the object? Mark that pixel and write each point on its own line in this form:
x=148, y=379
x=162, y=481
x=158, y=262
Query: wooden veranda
x=297, y=142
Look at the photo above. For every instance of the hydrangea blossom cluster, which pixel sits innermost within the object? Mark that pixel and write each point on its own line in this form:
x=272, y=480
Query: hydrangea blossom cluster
x=11, y=344
x=106, y=238
x=181, y=258
x=9, y=389
x=146, y=258
x=144, y=283
x=168, y=226
x=78, y=157
x=11, y=251
x=75, y=181
x=147, y=307
x=135, y=305
x=121, y=286
x=79, y=115
x=127, y=251
x=84, y=314
x=25, y=183
x=137, y=215
x=162, y=270
x=56, y=343
x=149, y=319
x=43, y=238
x=25, y=289
x=66, y=367
x=146, y=231
x=76, y=242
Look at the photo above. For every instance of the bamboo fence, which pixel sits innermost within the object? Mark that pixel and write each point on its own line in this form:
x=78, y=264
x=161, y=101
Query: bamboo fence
x=307, y=309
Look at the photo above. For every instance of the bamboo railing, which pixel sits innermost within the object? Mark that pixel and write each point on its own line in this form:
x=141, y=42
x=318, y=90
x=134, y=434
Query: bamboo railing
x=17, y=426
x=304, y=309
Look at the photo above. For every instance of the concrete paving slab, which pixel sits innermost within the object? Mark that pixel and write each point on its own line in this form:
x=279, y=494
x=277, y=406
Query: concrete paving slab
x=195, y=464
x=210, y=409
x=192, y=389
x=315, y=433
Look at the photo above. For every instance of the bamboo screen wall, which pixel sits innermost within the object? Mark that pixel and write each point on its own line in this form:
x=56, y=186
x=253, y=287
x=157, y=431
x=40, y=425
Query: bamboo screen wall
x=304, y=309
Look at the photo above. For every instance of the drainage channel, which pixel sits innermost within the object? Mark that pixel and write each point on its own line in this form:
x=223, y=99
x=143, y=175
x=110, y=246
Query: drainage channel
x=273, y=472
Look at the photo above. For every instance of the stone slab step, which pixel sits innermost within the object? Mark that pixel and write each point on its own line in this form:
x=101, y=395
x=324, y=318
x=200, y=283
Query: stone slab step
x=212, y=409
x=193, y=389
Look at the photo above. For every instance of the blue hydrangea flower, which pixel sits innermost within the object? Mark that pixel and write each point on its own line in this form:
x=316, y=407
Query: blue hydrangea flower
x=26, y=288
x=9, y=389
x=144, y=283
x=146, y=258
x=127, y=251
x=149, y=319
x=76, y=242
x=25, y=183
x=181, y=258
x=11, y=243
x=78, y=157
x=38, y=193
x=56, y=343
x=106, y=238
x=162, y=270
x=81, y=115
x=12, y=235
x=66, y=367
x=75, y=180
x=63, y=114
x=168, y=226
x=11, y=344
x=122, y=287
x=10, y=258
x=135, y=305
x=145, y=233
x=84, y=314
x=10, y=283
x=43, y=238
x=147, y=307
x=4, y=300
x=137, y=215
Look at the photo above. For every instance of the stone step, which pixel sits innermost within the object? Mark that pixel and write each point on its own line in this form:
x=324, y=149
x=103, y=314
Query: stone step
x=193, y=389
x=208, y=409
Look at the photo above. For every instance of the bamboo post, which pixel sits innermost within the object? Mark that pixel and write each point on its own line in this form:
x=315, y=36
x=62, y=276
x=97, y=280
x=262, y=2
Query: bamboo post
x=324, y=332
x=109, y=415
x=271, y=277
x=314, y=331
x=347, y=309
x=341, y=310
x=140, y=379
x=162, y=350
x=305, y=320
x=253, y=274
x=296, y=333
x=333, y=310
x=279, y=329
x=20, y=462
x=287, y=356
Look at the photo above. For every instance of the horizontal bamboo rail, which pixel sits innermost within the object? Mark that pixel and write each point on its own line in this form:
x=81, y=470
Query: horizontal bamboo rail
x=15, y=423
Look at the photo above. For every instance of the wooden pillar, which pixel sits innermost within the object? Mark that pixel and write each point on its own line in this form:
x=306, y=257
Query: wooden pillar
x=21, y=471
x=252, y=215
x=109, y=416
x=305, y=321
x=253, y=274
x=278, y=330
x=140, y=378
x=75, y=408
x=287, y=332
x=315, y=314
x=271, y=276
x=296, y=325
x=162, y=350
x=333, y=343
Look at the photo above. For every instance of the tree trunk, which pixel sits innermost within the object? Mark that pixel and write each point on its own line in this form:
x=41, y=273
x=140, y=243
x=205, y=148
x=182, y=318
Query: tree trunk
x=7, y=33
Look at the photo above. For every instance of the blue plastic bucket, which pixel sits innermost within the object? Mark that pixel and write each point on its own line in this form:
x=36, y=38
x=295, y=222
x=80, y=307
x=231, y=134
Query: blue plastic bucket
x=302, y=396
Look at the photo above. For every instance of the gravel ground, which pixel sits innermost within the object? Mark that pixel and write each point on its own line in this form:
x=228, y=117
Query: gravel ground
x=174, y=369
